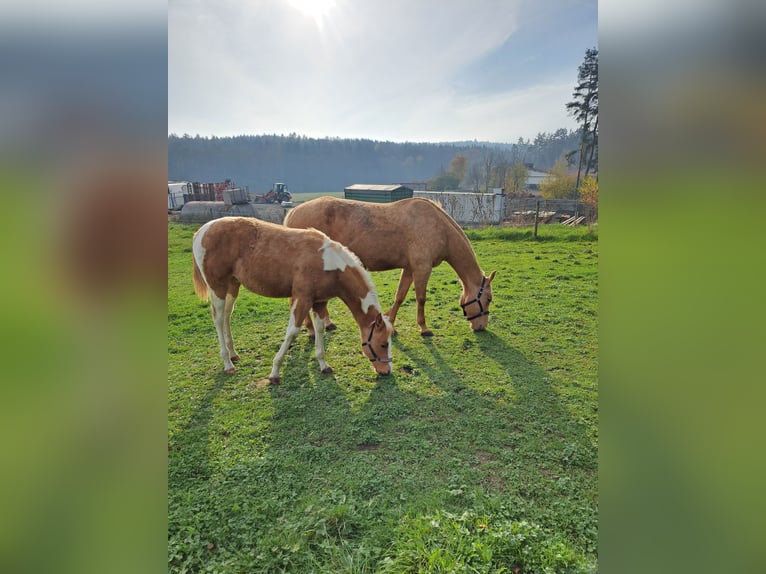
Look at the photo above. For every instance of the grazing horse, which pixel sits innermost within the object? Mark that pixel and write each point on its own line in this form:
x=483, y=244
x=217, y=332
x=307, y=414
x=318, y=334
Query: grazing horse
x=414, y=235
x=274, y=261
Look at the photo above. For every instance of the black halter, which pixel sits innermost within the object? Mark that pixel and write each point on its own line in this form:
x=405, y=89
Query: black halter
x=367, y=344
x=477, y=299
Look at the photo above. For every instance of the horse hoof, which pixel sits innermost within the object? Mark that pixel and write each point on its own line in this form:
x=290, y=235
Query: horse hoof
x=327, y=370
x=427, y=333
x=274, y=380
x=330, y=327
x=230, y=371
x=234, y=358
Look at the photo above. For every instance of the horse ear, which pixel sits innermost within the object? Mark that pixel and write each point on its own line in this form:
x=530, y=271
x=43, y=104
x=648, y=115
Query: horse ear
x=491, y=277
x=379, y=320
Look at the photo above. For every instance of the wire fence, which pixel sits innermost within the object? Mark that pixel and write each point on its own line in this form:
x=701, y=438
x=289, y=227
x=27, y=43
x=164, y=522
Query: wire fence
x=522, y=211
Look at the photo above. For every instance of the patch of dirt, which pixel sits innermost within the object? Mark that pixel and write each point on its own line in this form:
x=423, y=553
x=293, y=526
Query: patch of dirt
x=485, y=457
x=259, y=384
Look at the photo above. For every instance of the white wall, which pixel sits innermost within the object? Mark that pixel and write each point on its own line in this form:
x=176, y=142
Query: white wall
x=469, y=208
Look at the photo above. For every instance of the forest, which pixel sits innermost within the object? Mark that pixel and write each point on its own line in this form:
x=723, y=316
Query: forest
x=330, y=164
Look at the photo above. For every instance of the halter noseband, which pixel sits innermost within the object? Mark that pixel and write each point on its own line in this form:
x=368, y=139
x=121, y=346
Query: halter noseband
x=477, y=299
x=367, y=344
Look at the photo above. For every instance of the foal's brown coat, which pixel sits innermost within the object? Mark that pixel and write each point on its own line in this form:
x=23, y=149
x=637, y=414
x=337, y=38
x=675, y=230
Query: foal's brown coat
x=273, y=261
x=412, y=234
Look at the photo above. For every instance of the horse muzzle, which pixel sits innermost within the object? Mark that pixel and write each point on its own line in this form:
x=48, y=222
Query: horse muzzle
x=382, y=366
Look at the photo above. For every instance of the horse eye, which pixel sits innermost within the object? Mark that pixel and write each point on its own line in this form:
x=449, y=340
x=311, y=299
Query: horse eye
x=384, y=345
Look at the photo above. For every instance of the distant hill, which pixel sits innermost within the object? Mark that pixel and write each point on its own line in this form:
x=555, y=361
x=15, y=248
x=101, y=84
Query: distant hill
x=311, y=165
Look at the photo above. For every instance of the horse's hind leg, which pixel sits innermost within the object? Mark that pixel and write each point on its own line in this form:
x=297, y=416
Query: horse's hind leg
x=298, y=312
x=231, y=297
x=320, y=308
x=218, y=310
x=318, y=318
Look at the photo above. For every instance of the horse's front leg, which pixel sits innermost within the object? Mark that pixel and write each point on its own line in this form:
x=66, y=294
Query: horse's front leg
x=298, y=312
x=318, y=319
x=405, y=280
x=421, y=287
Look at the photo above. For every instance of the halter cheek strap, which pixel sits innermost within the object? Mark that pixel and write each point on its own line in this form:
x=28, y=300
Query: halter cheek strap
x=374, y=355
x=477, y=299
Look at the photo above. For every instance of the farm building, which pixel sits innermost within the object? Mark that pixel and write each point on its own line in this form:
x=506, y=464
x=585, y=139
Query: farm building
x=377, y=193
x=534, y=178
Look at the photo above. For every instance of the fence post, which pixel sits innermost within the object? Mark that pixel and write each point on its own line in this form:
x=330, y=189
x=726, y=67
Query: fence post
x=537, y=215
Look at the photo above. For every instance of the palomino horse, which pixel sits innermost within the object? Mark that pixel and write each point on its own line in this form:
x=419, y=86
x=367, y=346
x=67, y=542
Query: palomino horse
x=273, y=261
x=415, y=235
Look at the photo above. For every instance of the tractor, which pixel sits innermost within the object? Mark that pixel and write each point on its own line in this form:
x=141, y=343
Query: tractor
x=278, y=194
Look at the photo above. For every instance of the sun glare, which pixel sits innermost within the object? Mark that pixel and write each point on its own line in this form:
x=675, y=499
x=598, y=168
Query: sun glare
x=316, y=9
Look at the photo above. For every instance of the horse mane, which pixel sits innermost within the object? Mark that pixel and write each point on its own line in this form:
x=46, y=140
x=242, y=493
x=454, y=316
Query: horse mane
x=451, y=221
x=341, y=251
x=338, y=256
x=459, y=231
x=454, y=224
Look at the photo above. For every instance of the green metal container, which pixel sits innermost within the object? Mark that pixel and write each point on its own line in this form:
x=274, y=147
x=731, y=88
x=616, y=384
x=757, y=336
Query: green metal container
x=377, y=193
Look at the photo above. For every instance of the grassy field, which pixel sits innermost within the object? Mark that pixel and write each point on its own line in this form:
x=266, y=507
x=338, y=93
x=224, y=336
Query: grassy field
x=479, y=454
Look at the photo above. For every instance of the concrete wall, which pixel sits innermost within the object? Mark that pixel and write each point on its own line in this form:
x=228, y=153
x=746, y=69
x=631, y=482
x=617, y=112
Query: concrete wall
x=202, y=211
x=469, y=208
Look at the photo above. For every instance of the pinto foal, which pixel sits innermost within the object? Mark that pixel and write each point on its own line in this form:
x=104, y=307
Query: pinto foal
x=274, y=261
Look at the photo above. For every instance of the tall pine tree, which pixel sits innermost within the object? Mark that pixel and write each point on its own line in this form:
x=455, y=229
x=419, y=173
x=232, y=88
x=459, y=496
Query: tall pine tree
x=584, y=108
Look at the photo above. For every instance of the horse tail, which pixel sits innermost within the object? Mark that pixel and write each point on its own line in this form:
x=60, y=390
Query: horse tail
x=200, y=285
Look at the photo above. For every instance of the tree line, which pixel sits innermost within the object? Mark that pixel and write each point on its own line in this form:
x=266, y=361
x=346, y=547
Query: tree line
x=330, y=164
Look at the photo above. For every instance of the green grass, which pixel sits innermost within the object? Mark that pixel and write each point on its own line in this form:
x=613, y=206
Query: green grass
x=479, y=454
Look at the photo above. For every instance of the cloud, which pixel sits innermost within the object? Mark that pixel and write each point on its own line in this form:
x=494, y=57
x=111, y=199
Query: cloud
x=372, y=69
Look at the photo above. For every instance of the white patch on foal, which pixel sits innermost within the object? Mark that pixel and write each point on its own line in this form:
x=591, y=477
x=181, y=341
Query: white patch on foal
x=336, y=256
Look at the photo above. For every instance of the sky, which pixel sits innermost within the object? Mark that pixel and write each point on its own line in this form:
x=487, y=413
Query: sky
x=390, y=70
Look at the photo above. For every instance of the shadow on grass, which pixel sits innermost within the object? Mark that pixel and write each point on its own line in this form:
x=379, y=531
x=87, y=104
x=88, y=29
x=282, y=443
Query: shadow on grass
x=425, y=438
x=513, y=435
x=189, y=456
x=187, y=453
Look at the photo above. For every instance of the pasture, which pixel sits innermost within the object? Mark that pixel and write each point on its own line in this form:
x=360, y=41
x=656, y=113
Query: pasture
x=478, y=454
x=303, y=197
